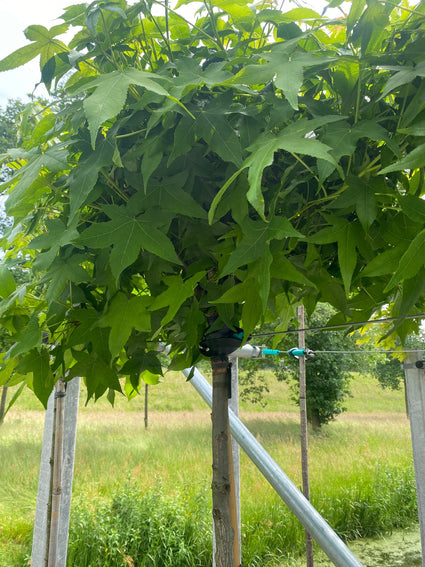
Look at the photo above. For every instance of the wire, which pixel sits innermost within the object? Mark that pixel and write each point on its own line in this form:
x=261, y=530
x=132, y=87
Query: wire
x=367, y=351
x=342, y=325
x=276, y=352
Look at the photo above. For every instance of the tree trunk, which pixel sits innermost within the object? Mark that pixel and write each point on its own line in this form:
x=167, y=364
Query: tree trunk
x=3, y=403
x=221, y=486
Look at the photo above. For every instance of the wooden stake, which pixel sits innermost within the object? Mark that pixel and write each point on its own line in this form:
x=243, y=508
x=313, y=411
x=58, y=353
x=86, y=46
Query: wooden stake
x=304, y=431
x=59, y=421
x=146, y=405
x=415, y=390
x=221, y=481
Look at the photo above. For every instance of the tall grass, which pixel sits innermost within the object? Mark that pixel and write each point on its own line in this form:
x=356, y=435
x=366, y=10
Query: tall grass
x=361, y=475
x=144, y=529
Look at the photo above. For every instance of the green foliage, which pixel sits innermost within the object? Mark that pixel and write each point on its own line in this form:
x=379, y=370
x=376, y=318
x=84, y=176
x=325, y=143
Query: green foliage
x=389, y=369
x=219, y=170
x=148, y=529
x=327, y=374
x=142, y=529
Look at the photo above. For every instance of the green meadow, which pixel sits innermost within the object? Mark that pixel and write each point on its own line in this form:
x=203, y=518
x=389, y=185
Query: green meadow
x=141, y=496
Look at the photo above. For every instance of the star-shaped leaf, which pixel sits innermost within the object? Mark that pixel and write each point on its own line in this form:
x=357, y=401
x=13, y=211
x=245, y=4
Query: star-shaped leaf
x=124, y=315
x=128, y=235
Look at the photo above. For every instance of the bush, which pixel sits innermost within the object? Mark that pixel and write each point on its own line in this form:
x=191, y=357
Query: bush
x=152, y=529
x=142, y=530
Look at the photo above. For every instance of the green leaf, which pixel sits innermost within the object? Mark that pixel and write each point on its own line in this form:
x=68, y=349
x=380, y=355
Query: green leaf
x=221, y=137
x=347, y=256
x=27, y=339
x=151, y=158
x=403, y=77
x=413, y=207
x=7, y=282
x=62, y=271
x=252, y=307
x=7, y=370
x=125, y=314
x=105, y=102
x=170, y=195
x=254, y=243
x=20, y=57
x=264, y=149
x=128, y=235
x=97, y=373
x=56, y=235
x=384, y=263
x=13, y=399
x=43, y=379
x=260, y=272
x=413, y=160
x=357, y=7
x=220, y=193
x=177, y=293
x=364, y=199
x=184, y=138
x=411, y=261
x=413, y=290
x=330, y=233
x=149, y=378
x=110, y=94
x=53, y=159
x=283, y=269
x=84, y=177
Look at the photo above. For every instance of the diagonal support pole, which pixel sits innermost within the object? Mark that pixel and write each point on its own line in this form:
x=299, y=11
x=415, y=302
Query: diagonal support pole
x=323, y=534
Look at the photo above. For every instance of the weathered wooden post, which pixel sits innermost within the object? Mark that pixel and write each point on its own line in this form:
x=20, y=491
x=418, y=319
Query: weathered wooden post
x=51, y=525
x=304, y=430
x=415, y=392
x=146, y=405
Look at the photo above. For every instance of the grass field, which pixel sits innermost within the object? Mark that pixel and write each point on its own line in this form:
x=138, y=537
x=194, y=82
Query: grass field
x=360, y=465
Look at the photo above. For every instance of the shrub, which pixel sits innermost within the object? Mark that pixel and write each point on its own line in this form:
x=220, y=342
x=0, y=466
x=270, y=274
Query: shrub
x=142, y=530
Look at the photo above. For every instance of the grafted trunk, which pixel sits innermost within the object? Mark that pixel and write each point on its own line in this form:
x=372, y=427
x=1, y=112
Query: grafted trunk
x=221, y=486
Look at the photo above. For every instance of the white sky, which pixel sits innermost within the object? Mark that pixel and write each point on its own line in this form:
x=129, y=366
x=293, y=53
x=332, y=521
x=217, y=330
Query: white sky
x=16, y=15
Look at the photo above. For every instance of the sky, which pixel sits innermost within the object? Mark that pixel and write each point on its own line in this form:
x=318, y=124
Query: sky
x=15, y=16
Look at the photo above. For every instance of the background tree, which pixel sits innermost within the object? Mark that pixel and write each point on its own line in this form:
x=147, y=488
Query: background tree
x=327, y=374
x=207, y=176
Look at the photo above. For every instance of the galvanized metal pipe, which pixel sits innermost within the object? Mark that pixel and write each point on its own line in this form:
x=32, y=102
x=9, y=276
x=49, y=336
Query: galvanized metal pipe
x=313, y=522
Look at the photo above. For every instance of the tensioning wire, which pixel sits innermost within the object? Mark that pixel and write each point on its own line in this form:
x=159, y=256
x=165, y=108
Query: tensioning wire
x=341, y=325
x=368, y=351
x=348, y=351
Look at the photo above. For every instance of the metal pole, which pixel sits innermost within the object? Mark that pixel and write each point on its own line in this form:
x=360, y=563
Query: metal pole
x=304, y=430
x=415, y=391
x=327, y=539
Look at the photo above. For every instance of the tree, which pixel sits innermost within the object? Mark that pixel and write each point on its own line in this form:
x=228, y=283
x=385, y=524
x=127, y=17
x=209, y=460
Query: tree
x=17, y=121
x=208, y=176
x=327, y=373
